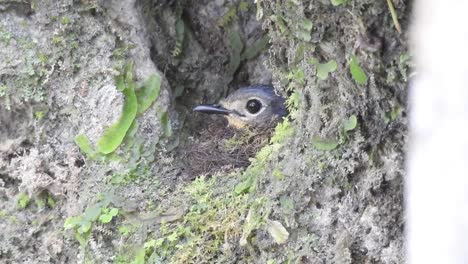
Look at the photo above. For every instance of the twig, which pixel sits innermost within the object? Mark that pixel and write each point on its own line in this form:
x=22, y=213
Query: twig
x=394, y=15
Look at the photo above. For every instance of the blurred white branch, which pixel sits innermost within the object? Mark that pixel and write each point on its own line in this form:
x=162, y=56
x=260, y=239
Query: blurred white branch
x=437, y=183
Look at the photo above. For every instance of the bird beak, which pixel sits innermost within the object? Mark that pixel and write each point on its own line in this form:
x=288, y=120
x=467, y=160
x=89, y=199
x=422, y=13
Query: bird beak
x=212, y=109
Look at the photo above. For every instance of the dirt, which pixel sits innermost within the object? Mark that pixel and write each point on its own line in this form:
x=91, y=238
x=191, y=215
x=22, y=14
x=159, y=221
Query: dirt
x=340, y=204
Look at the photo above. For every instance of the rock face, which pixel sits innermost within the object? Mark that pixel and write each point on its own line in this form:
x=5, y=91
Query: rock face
x=327, y=189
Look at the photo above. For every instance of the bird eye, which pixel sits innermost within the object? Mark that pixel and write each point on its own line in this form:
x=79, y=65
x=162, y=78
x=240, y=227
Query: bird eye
x=253, y=106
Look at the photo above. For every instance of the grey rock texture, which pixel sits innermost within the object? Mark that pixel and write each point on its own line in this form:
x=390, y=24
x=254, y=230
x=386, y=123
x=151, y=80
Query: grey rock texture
x=59, y=61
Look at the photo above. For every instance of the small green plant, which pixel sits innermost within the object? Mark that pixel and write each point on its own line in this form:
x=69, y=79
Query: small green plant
x=228, y=18
x=107, y=214
x=180, y=36
x=324, y=143
x=165, y=123
x=126, y=230
x=122, y=52
x=82, y=141
x=43, y=58
x=149, y=93
x=293, y=103
x=45, y=199
x=137, y=100
x=115, y=134
x=297, y=77
x=38, y=115
x=349, y=125
x=65, y=20
x=237, y=46
x=338, y=2
x=393, y=114
x=56, y=40
x=82, y=224
x=243, y=6
x=358, y=74
x=290, y=24
x=324, y=69
x=404, y=64
x=256, y=48
x=3, y=90
x=277, y=174
x=240, y=53
x=327, y=144
x=23, y=201
x=282, y=131
x=277, y=231
x=213, y=221
x=303, y=29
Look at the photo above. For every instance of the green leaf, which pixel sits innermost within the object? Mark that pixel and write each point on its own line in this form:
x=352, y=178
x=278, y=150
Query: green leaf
x=105, y=218
x=92, y=213
x=128, y=73
x=84, y=228
x=148, y=93
x=356, y=71
x=140, y=257
x=180, y=34
x=114, y=135
x=323, y=69
x=396, y=111
x=299, y=55
x=303, y=35
x=293, y=101
x=277, y=231
x=245, y=186
x=303, y=29
x=113, y=211
x=166, y=125
x=129, y=139
x=306, y=24
x=237, y=46
x=324, y=144
x=72, y=222
x=283, y=130
x=82, y=238
x=85, y=146
x=337, y=2
x=297, y=75
x=120, y=82
x=350, y=124
x=393, y=114
x=153, y=243
x=257, y=47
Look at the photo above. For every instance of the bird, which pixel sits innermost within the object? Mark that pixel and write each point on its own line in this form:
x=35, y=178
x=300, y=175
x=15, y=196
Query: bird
x=254, y=106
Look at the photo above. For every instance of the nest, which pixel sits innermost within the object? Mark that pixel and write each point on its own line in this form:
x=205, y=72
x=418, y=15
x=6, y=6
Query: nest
x=221, y=148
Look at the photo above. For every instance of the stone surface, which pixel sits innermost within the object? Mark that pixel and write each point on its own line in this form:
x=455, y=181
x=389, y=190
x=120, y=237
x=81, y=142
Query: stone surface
x=59, y=60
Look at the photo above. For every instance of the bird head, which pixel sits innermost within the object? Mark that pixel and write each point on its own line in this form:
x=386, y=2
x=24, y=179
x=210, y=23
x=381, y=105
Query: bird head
x=254, y=106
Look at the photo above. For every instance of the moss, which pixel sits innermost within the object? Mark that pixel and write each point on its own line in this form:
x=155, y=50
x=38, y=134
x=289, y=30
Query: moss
x=38, y=115
x=3, y=214
x=26, y=84
x=23, y=201
x=65, y=20
x=282, y=131
x=209, y=230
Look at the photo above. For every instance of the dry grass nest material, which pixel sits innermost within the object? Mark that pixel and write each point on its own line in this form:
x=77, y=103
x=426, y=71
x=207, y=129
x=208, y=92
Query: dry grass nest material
x=221, y=148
